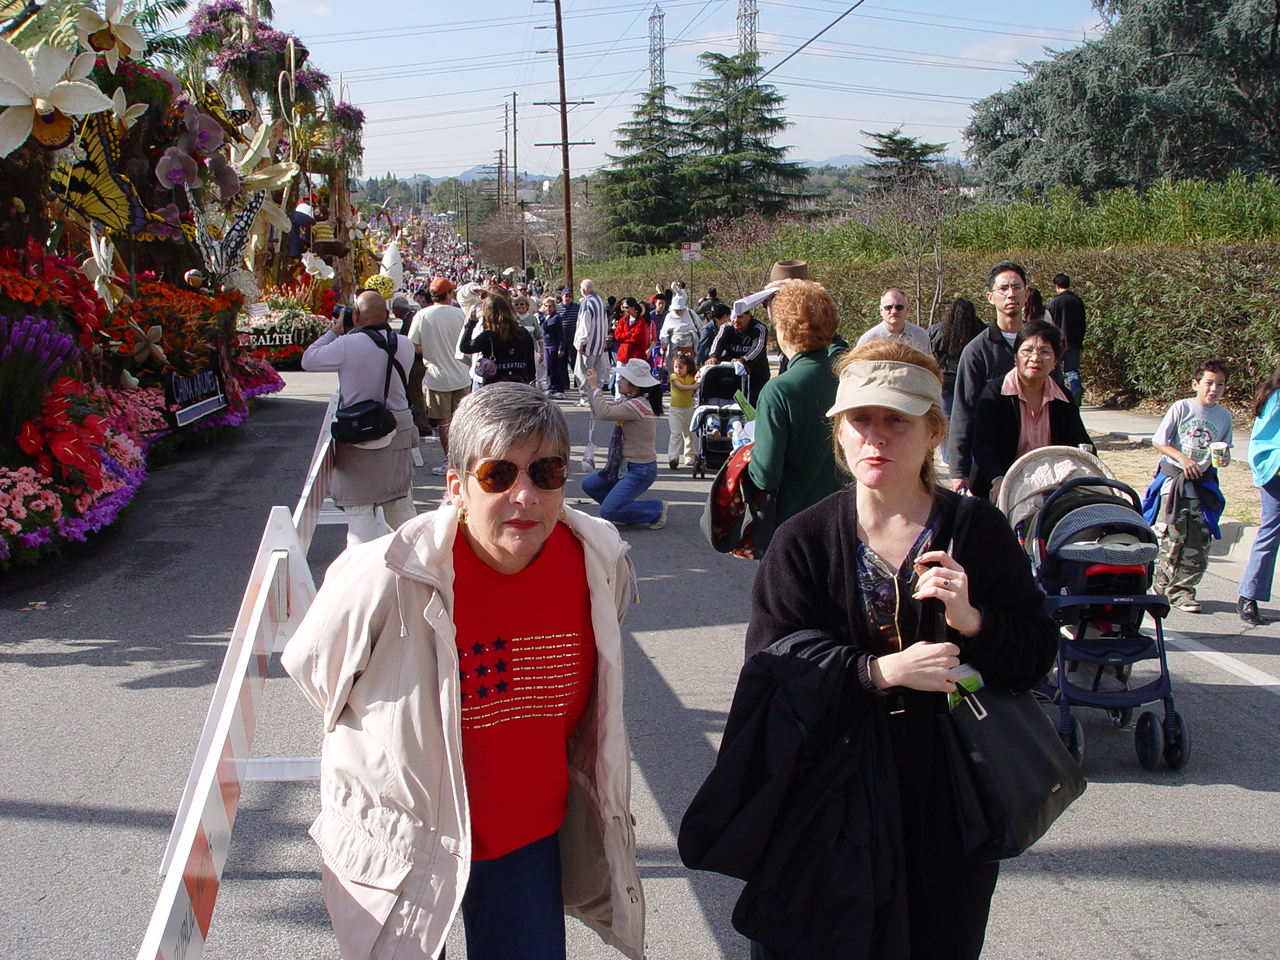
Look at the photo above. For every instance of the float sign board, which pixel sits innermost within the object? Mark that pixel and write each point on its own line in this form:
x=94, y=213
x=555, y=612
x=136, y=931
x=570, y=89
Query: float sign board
x=195, y=397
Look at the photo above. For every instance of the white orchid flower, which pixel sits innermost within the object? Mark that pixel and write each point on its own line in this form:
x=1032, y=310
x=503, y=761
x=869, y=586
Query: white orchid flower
x=317, y=267
x=43, y=94
x=126, y=113
x=98, y=267
x=111, y=34
x=272, y=177
x=273, y=215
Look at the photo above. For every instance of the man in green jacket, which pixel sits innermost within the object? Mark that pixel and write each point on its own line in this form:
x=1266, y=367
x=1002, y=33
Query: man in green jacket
x=793, y=456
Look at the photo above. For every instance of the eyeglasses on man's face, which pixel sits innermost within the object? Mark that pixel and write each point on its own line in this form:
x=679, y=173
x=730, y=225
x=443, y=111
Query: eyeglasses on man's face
x=894, y=307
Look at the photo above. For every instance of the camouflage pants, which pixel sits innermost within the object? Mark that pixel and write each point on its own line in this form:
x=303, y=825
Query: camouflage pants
x=1184, y=552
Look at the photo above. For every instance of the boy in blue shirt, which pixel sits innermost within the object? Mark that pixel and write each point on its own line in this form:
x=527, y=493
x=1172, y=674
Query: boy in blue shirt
x=1183, y=503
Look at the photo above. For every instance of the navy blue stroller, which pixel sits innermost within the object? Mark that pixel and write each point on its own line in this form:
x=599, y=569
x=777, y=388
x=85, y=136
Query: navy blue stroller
x=1093, y=554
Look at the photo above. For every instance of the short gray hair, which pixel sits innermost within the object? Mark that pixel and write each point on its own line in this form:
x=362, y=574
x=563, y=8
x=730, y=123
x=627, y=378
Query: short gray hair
x=495, y=419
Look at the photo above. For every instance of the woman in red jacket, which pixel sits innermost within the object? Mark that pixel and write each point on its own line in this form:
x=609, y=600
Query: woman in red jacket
x=632, y=332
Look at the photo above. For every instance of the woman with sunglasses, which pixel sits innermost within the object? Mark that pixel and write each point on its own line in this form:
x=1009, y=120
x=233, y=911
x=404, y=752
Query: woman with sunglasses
x=635, y=413
x=475, y=757
x=909, y=592
x=1023, y=411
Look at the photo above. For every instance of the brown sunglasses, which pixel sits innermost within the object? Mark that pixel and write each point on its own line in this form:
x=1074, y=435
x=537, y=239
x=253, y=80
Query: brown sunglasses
x=498, y=476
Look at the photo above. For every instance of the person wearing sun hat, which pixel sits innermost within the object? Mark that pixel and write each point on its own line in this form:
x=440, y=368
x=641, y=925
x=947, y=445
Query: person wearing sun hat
x=892, y=567
x=635, y=414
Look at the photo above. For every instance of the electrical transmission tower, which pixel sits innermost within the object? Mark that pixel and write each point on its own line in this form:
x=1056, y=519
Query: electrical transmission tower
x=748, y=20
x=657, y=68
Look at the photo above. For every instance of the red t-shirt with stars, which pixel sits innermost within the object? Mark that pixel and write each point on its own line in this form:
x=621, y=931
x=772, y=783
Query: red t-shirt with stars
x=526, y=662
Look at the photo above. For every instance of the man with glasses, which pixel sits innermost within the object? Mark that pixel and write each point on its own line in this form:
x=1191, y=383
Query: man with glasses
x=894, y=325
x=988, y=355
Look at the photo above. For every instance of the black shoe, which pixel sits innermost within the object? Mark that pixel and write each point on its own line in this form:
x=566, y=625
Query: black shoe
x=674, y=463
x=1248, y=610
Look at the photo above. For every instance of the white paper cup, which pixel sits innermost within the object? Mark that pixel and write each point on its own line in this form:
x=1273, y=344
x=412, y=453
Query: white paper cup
x=1218, y=454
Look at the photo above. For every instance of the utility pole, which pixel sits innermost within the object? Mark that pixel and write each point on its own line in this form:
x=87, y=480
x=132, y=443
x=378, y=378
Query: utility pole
x=564, y=152
x=564, y=145
x=505, y=151
x=515, y=170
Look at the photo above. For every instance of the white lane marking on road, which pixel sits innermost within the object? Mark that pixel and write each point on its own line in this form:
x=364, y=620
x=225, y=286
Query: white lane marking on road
x=1225, y=662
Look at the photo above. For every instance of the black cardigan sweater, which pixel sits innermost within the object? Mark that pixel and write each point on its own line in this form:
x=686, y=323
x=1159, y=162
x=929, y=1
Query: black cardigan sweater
x=997, y=425
x=808, y=580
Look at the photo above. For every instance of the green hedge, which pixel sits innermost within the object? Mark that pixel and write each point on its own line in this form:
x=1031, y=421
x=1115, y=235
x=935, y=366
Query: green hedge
x=1153, y=311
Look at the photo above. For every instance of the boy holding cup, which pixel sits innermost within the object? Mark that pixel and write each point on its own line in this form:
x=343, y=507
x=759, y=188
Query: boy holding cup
x=1183, y=503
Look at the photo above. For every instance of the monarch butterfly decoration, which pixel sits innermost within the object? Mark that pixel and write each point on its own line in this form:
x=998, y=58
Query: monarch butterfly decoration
x=229, y=120
x=95, y=188
x=220, y=254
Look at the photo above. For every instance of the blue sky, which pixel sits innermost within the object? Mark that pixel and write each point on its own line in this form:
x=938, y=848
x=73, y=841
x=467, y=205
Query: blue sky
x=432, y=77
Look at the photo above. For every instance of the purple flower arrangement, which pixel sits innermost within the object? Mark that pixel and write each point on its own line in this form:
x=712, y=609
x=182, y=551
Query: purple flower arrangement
x=40, y=340
x=348, y=116
x=310, y=79
x=32, y=351
x=212, y=18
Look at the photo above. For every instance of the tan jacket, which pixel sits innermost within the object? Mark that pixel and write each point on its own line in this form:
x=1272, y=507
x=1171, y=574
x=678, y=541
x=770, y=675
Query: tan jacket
x=375, y=654
x=639, y=425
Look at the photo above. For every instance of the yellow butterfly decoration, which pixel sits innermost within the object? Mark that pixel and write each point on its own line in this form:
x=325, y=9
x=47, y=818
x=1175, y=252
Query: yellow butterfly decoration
x=229, y=120
x=95, y=188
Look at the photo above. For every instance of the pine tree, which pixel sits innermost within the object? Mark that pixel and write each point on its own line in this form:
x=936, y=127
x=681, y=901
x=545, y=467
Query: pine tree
x=1171, y=90
x=730, y=121
x=899, y=157
x=641, y=191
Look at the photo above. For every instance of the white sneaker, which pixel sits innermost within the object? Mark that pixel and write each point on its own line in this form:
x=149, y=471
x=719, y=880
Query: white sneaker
x=662, y=518
x=439, y=471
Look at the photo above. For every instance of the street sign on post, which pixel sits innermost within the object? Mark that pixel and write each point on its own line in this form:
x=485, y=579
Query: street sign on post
x=690, y=252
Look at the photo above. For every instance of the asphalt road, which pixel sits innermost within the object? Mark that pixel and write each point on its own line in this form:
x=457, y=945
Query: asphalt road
x=109, y=655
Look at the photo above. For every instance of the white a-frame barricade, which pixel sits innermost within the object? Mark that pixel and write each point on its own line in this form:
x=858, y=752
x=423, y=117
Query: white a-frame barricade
x=279, y=591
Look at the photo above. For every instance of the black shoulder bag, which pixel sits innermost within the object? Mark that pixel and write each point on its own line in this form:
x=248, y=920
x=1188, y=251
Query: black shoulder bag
x=369, y=419
x=1010, y=774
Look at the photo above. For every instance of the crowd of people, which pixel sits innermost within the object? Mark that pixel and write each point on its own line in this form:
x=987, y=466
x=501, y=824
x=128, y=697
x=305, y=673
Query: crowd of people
x=474, y=748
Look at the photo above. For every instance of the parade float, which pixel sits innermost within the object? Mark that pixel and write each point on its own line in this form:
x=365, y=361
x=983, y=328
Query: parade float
x=151, y=265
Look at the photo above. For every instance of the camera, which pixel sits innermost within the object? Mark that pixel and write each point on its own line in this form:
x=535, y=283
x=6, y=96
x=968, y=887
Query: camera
x=346, y=314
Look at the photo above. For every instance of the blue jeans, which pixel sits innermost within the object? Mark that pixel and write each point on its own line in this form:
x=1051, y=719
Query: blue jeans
x=617, y=498
x=1071, y=374
x=512, y=908
x=1256, y=584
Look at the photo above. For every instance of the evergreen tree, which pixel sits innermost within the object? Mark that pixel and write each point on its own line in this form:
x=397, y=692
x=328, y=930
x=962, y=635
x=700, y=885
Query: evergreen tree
x=1172, y=90
x=640, y=191
x=730, y=121
x=899, y=157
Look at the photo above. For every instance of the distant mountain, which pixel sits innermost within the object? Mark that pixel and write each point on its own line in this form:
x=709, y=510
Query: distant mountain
x=844, y=160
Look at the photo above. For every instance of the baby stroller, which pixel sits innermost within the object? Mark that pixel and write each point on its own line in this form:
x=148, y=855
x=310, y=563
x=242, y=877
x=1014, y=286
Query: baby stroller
x=1093, y=554
x=713, y=423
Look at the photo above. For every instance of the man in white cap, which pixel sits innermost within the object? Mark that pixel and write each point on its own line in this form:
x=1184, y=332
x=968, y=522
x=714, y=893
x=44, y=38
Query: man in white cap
x=591, y=339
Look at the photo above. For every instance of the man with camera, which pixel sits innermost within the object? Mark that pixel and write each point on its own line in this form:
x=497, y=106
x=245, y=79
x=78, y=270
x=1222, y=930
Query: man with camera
x=375, y=474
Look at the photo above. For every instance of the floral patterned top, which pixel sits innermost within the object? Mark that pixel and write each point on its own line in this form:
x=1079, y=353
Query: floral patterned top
x=886, y=593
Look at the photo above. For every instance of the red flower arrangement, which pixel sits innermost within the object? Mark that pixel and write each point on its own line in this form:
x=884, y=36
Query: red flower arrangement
x=31, y=275
x=66, y=438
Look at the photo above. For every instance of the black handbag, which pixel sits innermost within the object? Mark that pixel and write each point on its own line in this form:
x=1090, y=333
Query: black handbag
x=1011, y=776
x=369, y=419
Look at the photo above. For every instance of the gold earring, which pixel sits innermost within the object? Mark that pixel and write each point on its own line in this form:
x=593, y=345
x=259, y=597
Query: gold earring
x=462, y=514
